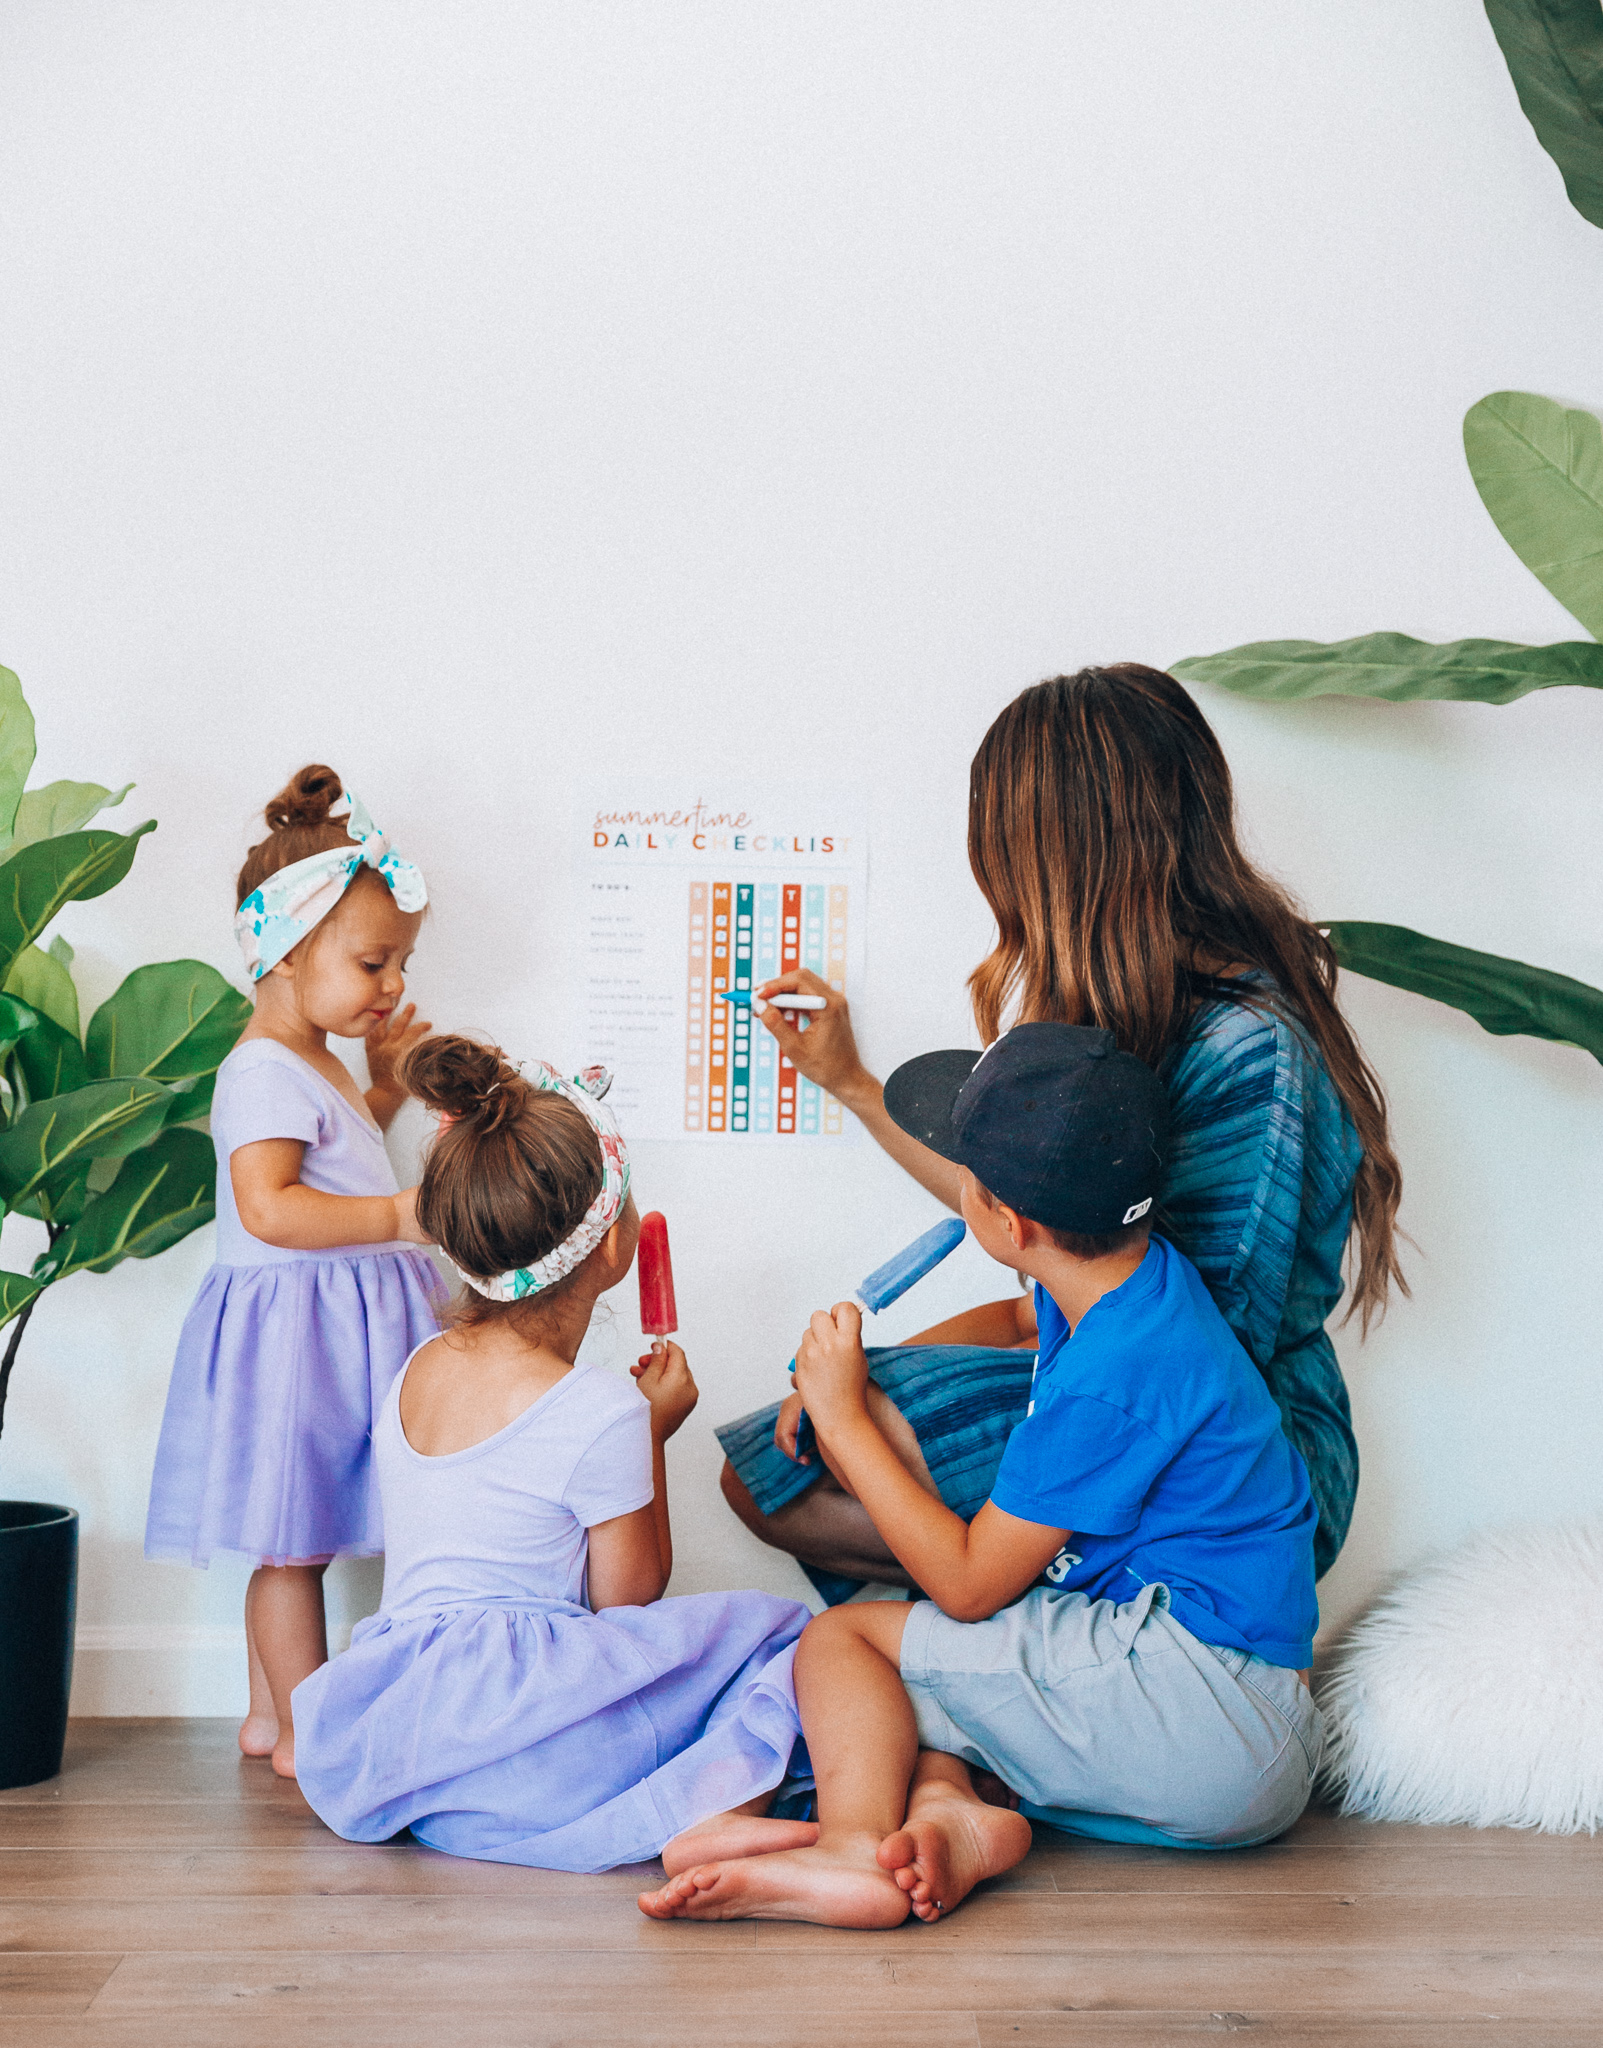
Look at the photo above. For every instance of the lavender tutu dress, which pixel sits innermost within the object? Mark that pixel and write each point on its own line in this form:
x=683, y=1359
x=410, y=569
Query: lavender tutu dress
x=285, y=1356
x=488, y=1709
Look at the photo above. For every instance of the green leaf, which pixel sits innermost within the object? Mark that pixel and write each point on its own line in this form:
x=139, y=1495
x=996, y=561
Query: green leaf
x=61, y=807
x=48, y=1060
x=16, y=750
x=1554, y=50
x=1539, y=469
x=161, y=1194
x=41, y=980
x=37, y=880
x=98, y=1122
x=167, y=1022
x=59, y=1200
x=16, y=1291
x=15, y=1019
x=1393, y=666
x=1503, y=996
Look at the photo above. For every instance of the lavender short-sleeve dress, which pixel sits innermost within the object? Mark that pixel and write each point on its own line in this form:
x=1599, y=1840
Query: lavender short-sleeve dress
x=285, y=1356
x=488, y=1709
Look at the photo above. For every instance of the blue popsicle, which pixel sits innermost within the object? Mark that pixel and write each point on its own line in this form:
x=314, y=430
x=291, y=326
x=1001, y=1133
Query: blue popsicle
x=891, y=1281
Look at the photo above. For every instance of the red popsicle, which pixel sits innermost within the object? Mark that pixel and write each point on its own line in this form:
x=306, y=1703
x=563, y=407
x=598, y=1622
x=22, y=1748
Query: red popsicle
x=658, y=1315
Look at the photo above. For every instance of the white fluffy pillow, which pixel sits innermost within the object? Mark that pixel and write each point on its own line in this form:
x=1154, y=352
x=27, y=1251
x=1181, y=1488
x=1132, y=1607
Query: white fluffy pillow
x=1473, y=1690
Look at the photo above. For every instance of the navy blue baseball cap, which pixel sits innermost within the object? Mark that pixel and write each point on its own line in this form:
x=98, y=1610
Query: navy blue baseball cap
x=1053, y=1119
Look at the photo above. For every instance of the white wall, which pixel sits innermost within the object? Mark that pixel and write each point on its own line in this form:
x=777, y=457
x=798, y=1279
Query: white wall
x=461, y=392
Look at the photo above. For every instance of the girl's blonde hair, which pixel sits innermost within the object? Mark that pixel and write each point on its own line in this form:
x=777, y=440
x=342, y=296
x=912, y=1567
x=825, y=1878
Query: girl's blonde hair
x=1102, y=834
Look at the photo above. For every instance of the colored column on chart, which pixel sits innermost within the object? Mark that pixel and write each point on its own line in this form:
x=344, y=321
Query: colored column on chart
x=835, y=975
x=790, y=906
x=810, y=1095
x=696, y=1011
x=740, y=1022
x=764, y=1051
x=718, y=964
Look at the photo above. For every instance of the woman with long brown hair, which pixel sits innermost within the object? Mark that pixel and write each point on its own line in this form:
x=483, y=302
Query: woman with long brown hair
x=1102, y=835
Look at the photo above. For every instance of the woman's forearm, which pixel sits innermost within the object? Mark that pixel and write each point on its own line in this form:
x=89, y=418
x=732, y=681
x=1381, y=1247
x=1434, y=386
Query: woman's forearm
x=1000, y=1325
x=865, y=1098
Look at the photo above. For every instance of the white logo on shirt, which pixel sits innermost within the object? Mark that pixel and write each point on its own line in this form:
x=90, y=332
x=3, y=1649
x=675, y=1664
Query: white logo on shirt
x=1060, y=1567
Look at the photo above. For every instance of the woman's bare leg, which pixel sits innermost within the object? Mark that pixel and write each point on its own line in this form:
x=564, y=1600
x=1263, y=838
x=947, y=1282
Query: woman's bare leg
x=284, y=1619
x=742, y=1831
x=823, y=1527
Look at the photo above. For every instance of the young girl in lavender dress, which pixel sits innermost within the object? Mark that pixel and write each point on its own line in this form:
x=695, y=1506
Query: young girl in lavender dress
x=315, y=1299
x=525, y=1694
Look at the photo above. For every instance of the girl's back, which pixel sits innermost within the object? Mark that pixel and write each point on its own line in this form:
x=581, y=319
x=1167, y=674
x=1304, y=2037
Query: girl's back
x=503, y=1522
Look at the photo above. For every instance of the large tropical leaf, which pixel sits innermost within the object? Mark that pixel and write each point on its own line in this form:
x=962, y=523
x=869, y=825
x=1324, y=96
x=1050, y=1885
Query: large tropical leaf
x=16, y=750
x=15, y=1019
x=167, y=1022
x=1539, y=469
x=42, y=981
x=1393, y=666
x=61, y=807
x=161, y=1194
x=37, y=880
x=51, y=1141
x=1503, y=996
x=48, y=1060
x=1554, y=49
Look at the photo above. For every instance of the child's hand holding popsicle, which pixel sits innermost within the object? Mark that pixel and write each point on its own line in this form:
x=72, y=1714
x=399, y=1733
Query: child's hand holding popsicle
x=662, y=1375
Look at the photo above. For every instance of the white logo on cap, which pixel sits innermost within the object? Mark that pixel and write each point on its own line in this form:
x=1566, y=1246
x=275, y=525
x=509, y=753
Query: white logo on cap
x=1137, y=1209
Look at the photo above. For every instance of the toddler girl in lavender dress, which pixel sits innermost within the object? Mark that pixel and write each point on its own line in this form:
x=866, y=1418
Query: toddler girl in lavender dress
x=315, y=1299
x=525, y=1694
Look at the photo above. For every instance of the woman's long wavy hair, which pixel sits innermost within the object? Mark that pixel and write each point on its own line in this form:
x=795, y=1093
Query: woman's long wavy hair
x=1102, y=833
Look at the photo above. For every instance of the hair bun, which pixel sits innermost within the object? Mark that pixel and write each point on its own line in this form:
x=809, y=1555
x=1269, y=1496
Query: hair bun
x=306, y=799
x=464, y=1079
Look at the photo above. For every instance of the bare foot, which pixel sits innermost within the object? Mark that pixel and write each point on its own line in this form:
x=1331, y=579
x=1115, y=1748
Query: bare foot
x=729, y=1835
x=284, y=1756
x=950, y=1843
x=841, y=1886
x=258, y=1734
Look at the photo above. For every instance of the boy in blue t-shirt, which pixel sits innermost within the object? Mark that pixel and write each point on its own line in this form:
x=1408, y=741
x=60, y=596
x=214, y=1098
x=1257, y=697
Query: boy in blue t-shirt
x=1121, y=1633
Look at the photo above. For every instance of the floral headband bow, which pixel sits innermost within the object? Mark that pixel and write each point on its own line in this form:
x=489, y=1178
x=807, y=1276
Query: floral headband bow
x=276, y=917
x=584, y=1091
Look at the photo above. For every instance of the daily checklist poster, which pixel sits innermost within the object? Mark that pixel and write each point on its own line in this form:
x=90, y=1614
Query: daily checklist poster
x=685, y=894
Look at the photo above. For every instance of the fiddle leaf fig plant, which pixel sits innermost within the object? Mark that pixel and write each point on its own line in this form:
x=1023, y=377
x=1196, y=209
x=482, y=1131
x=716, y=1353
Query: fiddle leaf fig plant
x=98, y=1126
x=1538, y=467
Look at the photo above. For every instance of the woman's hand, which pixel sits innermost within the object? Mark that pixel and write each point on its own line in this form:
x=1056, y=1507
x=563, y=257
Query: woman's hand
x=786, y=1426
x=388, y=1043
x=663, y=1376
x=832, y=1366
x=826, y=1052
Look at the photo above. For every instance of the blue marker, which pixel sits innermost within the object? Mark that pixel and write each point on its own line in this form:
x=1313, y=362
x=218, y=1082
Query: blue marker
x=745, y=1000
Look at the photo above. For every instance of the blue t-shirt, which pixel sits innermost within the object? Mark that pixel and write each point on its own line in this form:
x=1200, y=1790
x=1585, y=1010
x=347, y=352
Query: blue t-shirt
x=1151, y=1435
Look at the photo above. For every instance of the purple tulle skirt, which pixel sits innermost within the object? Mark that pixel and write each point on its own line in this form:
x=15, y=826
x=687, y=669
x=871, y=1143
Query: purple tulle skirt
x=266, y=1446
x=549, y=1735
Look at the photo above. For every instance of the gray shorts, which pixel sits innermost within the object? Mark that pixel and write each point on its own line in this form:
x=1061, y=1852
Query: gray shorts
x=1115, y=1721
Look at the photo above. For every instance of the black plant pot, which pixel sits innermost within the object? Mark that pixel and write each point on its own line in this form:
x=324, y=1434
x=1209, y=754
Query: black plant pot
x=38, y=1603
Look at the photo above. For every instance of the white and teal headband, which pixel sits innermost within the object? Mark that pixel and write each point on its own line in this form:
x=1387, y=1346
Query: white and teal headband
x=274, y=919
x=584, y=1091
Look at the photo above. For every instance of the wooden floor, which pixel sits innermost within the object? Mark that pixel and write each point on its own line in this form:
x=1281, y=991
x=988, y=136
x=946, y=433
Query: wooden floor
x=162, y=1892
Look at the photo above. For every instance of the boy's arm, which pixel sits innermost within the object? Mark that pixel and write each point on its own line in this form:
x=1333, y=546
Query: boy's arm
x=969, y=1569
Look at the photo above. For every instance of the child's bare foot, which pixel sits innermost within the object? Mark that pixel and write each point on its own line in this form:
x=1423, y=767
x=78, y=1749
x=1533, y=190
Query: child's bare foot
x=841, y=1886
x=728, y=1835
x=258, y=1734
x=950, y=1843
x=284, y=1756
